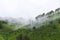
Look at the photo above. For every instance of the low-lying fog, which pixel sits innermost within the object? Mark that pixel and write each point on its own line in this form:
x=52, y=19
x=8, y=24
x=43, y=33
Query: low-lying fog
x=22, y=23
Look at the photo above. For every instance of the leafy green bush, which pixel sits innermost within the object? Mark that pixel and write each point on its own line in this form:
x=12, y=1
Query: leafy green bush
x=1, y=38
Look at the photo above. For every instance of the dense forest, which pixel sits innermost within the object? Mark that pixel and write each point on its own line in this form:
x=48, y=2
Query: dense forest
x=50, y=30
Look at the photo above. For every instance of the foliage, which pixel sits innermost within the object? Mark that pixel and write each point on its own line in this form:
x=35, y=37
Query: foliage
x=48, y=31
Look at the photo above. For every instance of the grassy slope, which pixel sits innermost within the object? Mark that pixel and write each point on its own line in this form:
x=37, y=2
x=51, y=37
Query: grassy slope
x=49, y=31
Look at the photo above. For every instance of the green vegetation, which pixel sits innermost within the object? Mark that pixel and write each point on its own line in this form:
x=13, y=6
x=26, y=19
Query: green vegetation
x=48, y=31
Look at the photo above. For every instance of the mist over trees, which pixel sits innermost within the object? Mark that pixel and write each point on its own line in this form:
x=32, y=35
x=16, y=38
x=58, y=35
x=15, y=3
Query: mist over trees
x=44, y=27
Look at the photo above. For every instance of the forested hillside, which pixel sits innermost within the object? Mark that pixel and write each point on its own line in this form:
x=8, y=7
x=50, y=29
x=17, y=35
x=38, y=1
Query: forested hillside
x=42, y=29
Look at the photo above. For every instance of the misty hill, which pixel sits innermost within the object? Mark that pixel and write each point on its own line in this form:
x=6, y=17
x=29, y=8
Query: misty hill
x=40, y=19
x=45, y=27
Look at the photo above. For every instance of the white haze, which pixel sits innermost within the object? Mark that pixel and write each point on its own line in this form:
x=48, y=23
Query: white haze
x=22, y=23
x=24, y=11
x=28, y=9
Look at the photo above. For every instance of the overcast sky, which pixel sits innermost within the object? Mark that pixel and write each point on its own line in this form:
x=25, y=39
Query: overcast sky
x=26, y=8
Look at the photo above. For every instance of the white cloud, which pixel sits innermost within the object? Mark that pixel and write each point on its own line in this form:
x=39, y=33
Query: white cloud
x=26, y=8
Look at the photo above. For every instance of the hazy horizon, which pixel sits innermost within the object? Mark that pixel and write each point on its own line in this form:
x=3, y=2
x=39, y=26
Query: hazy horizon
x=26, y=8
